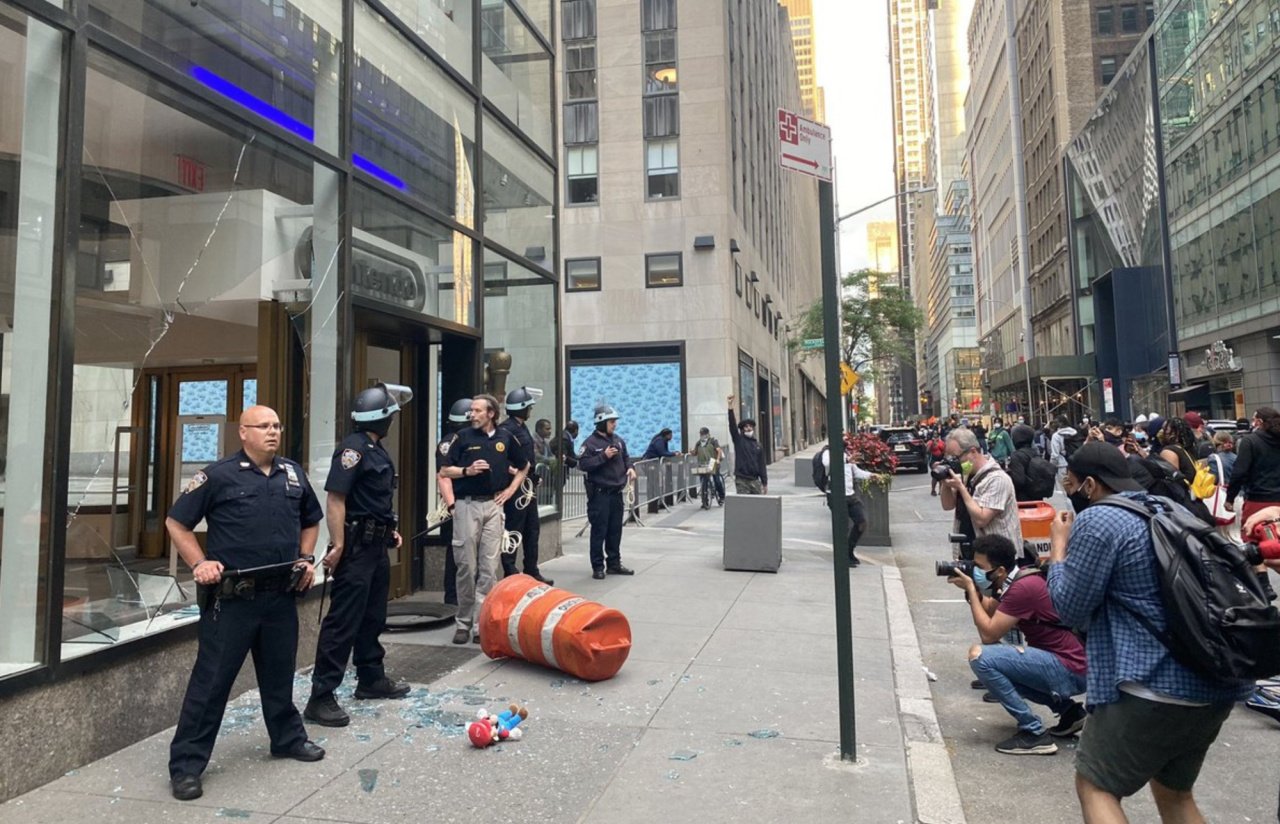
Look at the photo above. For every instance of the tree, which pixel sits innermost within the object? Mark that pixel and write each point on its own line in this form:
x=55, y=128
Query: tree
x=878, y=322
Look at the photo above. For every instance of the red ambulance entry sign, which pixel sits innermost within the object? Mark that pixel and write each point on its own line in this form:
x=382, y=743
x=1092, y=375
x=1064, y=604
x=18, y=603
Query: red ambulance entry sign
x=805, y=146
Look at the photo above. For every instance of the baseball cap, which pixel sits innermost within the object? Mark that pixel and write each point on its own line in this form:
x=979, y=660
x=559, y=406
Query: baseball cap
x=1104, y=462
x=1193, y=420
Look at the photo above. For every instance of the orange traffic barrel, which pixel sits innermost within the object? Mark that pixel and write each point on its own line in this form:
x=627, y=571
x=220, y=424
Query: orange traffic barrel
x=524, y=618
x=1035, y=518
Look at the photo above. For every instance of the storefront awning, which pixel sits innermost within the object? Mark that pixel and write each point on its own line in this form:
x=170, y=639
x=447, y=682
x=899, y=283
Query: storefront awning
x=1189, y=388
x=1052, y=367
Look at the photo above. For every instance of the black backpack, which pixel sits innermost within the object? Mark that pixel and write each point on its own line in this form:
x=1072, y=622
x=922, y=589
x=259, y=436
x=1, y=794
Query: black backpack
x=821, y=479
x=1042, y=477
x=1220, y=623
x=1070, y=443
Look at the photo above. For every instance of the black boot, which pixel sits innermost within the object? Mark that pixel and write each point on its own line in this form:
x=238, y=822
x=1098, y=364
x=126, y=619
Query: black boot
x=324, y=710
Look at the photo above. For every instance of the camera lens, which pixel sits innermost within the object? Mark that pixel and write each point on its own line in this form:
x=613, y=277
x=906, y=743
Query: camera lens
x=946, y=569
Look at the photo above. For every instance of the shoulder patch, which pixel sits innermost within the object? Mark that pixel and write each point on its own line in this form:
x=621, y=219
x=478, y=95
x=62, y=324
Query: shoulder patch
x=350, y=457
x=197, y=481
x=444, y=447
x=500, y=446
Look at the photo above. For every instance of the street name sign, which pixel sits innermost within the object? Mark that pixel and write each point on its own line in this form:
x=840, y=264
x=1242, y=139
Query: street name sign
x=813, y=343
x=805, y=146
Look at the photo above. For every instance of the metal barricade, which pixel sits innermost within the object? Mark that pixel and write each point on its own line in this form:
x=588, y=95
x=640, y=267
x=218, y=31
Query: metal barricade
x=661, y=481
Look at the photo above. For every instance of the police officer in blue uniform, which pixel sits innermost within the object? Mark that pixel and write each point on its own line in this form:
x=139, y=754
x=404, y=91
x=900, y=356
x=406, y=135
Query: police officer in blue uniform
x=609, y=469
x=360, y=509
x=459, y=419
x=261, y=512
x=521, y=511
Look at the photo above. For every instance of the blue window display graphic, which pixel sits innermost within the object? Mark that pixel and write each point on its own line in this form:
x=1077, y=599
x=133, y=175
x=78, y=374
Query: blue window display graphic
x=647, y=396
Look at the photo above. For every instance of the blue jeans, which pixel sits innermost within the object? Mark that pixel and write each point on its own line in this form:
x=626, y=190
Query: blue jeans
x=1030, y=675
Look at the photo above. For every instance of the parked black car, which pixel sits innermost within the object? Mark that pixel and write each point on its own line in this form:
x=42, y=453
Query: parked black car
x=908, y=447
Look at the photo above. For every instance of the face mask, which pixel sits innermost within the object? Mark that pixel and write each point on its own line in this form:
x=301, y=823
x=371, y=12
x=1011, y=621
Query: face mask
x=1140, y=437
x=966, y=468
x=1079, y=499
x=1114, y=440
x=749, y=433
x=981, y=581
x=996, y=425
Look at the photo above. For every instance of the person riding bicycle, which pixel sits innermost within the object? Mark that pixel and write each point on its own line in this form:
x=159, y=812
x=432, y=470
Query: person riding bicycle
x=709, y=454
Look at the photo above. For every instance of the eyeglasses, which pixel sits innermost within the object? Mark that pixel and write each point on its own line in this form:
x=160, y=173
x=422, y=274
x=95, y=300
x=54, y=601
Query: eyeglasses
x=265, y=427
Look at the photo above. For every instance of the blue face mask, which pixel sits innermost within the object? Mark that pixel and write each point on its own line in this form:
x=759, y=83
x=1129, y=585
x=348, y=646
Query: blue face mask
x=981, y=580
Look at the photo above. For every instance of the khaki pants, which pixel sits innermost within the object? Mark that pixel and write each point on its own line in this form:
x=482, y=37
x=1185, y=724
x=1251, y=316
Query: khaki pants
x=478, y=531
x=748, y=486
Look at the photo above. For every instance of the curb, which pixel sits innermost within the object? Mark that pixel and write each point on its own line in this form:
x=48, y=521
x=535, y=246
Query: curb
x=933, y=783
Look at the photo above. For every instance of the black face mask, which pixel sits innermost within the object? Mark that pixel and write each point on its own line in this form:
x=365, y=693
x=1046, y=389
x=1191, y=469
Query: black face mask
x=1114, y=440
x=1079, y=499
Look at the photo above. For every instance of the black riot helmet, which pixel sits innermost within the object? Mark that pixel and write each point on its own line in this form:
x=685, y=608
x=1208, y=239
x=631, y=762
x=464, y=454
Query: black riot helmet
x=521, y=400
x=376, y=406
x=459, y=414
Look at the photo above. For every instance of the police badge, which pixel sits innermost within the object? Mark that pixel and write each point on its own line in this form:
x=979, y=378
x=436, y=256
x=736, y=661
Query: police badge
x=500, y=446
x=350, y=457
x=197, y=481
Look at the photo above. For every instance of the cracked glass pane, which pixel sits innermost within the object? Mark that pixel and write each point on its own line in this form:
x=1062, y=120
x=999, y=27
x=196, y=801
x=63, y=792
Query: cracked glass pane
x=192, y=239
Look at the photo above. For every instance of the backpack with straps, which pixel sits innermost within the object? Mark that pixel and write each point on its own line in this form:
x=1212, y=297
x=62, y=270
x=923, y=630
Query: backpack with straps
x=1070, y=443
x=821, y=478
x=1219, y=621
x=1042, y=477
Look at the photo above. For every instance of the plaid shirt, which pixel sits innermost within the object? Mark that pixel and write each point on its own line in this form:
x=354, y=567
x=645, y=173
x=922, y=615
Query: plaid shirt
x=1110, y=570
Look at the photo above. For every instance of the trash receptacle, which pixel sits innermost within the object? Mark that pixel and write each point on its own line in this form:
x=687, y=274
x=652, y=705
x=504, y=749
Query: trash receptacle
x=804, y=473
x=1035, y=518
x=753, y=533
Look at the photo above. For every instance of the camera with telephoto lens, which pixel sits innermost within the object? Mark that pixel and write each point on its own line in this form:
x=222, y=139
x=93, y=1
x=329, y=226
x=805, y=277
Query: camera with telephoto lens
x=945, y=468
x=948, y=569
x=1263, y=543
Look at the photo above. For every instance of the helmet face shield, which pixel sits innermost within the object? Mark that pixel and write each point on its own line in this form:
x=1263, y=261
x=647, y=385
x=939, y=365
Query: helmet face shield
x=380, y=402
x=400, y=395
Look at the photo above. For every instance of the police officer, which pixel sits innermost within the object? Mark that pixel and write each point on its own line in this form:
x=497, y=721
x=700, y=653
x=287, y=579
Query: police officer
x=609, y=469
x=486, y=466
x=261, y=512
x=362, y=524
x=521, y=510
x=459, y=417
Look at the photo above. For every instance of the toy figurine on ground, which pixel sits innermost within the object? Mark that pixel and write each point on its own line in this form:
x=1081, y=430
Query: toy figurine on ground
x=490, y=729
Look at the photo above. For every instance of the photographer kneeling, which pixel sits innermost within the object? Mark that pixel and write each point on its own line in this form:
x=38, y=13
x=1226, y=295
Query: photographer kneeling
x=980, y=492
x=1048, y=670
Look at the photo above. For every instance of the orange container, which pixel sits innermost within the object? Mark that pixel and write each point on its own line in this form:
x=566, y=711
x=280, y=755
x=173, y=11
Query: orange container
x=523, y=618
x=1035, y=517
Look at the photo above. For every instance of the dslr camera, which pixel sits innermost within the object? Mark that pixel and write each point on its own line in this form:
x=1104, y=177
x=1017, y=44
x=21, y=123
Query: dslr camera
x=1263, y=543
x=946, y=569
x=945, y=468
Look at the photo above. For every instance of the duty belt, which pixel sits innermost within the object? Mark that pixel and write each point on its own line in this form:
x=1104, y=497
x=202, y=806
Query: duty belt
x=372, y=531
x=238, y=585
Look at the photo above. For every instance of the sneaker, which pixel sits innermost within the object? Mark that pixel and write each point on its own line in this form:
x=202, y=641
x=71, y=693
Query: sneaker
x=990, y=698
x=324, y=710
x=1070, y=722
x=977, y=684
x=461, y=636
x=1262, y=702
x=384, y=687
x=1025, y=743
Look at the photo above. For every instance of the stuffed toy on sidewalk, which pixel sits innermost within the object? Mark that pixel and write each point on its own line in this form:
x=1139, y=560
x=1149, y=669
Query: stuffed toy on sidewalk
x=490, y=729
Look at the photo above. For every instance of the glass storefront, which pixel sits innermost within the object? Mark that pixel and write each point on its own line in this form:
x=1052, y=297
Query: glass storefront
x=217, y=226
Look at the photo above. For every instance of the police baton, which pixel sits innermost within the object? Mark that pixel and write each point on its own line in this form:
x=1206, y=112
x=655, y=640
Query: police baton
x=242, y=573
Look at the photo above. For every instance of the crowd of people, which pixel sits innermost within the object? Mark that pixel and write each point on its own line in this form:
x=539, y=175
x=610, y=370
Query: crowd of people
x=1088, y=631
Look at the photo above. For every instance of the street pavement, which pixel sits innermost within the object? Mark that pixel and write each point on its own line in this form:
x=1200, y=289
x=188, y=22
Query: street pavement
x=1241, y=774
x=726, y=709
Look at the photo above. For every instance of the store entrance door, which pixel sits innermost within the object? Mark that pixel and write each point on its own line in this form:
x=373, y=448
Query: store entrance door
x=391, y=359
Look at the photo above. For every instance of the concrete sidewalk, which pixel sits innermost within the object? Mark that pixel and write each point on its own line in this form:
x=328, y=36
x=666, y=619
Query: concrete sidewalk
x=726, y=708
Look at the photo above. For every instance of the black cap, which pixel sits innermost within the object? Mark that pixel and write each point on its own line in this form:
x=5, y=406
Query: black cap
x=1104, y=462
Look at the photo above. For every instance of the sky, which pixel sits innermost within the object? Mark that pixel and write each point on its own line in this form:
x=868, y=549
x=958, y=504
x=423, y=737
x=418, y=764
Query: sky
x=853, y=66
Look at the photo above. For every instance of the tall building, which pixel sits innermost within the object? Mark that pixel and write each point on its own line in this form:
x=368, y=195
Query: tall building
x=804, y=41
x=206, y=206
x=912, y=122
x=689, y=254
x=882, y=245
x=1187, y=128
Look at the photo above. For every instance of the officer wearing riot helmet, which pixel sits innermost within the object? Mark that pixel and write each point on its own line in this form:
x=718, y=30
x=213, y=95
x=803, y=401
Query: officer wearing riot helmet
x=521, y=510
x=362, y=525
x=263, y=519
x=609, y=469
x=459, y=418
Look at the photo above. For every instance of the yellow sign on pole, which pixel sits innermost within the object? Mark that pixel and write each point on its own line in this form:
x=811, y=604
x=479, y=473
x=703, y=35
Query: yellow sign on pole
x=848, y=378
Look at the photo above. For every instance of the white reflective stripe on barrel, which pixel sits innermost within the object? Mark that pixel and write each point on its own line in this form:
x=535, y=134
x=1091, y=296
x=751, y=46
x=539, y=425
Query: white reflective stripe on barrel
x=513, y=622
x=549, y=629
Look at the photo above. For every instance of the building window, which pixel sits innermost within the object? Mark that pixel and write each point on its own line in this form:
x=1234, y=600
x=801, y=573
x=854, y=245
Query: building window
x=582, y=171
x=658, y=14
x=580, y=70
x=1129, y=19
x=660, y=62
x=578, y=19
x=1108, y=66
x=1149, y=8
x=581, y=125
x=663, y=270
x=1106, y=20
x=737, y=278
x=662, y=116
x=582, y=275
x=662, y=165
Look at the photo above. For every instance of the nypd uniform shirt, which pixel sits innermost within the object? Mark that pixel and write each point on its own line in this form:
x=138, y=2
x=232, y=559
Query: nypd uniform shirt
x=254, y=518
x=500, y=449
x=362, y=471
x=524, y=441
